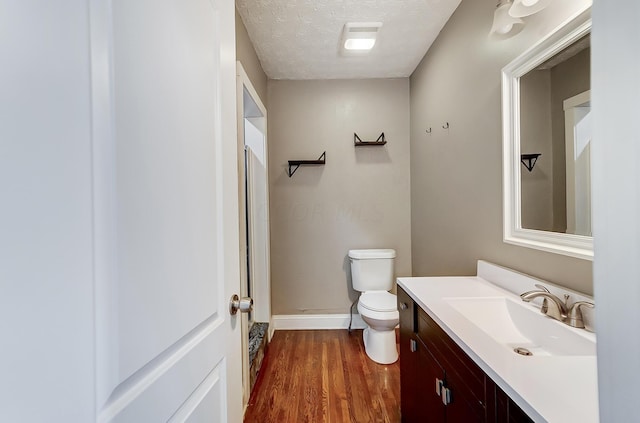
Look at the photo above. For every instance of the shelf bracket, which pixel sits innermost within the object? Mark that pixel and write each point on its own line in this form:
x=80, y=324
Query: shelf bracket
x=529, y=160
x=358, y=142
x=295, y=164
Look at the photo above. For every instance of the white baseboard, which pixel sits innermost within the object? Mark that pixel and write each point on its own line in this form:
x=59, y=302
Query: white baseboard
x=272, y=329
x=316, y=321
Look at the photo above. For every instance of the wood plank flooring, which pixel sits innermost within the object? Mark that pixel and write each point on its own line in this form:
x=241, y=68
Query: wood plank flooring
x=323, y=376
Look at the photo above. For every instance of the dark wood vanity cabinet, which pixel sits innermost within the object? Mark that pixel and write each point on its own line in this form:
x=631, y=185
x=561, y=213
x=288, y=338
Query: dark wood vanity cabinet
x=418, y=369
x=438, y=380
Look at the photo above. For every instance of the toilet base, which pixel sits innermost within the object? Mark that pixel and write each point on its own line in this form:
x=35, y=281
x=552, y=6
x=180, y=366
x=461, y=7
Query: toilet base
x=380, y=346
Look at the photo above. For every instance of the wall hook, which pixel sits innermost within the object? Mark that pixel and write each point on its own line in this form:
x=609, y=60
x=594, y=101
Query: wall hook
x=445, y=126
x=428, y=131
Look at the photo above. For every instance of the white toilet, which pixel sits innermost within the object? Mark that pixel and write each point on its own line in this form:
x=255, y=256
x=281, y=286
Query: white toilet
x=372, y=275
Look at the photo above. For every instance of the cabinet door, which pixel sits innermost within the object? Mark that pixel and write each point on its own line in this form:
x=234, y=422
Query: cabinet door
x=465, y=381
x=508, y=411
x=410, y=379
x=418, y=371
x=425, y=404
x=432, y=375
x=464, y=406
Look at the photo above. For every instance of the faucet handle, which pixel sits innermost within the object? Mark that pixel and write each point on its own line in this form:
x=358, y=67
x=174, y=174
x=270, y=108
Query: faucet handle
x=545, y=304
x=574, y=319
x=542, y=287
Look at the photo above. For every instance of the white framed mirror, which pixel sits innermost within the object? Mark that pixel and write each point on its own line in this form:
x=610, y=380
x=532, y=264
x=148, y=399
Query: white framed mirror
x=546, y=143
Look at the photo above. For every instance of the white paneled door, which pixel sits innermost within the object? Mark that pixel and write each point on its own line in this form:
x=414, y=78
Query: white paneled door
x=133, y=220
x=165, y=342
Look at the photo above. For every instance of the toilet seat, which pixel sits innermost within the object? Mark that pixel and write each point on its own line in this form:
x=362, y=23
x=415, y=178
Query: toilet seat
x=380, y=301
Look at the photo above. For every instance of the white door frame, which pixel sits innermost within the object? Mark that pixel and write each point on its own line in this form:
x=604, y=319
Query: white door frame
x=578, y=181
x=262, y=294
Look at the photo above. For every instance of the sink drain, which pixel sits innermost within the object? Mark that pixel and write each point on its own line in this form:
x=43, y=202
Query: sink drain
x=523, y=351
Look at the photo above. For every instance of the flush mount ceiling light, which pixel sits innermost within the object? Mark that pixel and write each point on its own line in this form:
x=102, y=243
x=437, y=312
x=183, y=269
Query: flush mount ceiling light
x=505, y=25
x=359, y=37
x=522, y=8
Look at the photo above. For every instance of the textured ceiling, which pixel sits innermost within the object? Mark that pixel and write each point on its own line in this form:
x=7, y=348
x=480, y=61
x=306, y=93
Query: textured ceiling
x=300, y=39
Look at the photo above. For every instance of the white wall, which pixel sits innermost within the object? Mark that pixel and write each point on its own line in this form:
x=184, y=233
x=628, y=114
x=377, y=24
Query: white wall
x=46, y=314
x=359, y=199
x=616, y=182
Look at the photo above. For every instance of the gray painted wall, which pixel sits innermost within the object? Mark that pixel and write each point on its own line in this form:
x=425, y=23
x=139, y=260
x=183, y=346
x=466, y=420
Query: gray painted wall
x=456, y=174
x=246, y=54
x=359, y=199
x=536, y=137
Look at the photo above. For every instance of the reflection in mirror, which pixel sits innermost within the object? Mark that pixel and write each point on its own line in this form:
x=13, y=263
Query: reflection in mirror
x=554, y=122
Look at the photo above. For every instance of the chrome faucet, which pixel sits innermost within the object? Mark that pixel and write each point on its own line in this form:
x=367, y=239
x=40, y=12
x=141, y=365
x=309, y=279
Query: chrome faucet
x=554, y=307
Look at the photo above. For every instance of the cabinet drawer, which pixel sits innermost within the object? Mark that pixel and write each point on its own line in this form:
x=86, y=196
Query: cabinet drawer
x=460, y=369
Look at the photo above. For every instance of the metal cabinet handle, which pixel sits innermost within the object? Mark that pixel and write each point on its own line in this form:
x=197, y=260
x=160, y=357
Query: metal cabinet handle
x=413, y=345
x=446, y=396
x=403, y=306
x=439, y=386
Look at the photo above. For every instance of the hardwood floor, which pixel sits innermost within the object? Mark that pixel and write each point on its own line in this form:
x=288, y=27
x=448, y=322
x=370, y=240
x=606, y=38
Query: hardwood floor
x=323, y=376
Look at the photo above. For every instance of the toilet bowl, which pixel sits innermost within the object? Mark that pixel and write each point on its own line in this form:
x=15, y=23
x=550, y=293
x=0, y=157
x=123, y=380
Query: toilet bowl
x=379, y=311
x=372, y=275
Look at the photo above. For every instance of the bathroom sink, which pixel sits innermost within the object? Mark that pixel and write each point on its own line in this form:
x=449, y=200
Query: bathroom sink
x=519, y=326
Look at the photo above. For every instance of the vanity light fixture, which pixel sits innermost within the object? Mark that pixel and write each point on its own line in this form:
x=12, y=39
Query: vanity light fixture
x=504, y=24
x=522, y=8
x=359, y=37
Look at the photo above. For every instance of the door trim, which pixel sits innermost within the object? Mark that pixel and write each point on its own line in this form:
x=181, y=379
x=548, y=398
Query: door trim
x=262, y=305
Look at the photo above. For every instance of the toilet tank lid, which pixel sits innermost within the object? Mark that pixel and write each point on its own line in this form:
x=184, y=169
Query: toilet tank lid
x=372, y=254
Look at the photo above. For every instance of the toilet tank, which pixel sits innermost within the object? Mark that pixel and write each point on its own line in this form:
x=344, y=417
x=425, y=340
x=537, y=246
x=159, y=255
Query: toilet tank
x=372, y=270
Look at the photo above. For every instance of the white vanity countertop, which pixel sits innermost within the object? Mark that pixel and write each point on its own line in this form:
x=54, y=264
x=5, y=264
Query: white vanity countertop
x=548, y=389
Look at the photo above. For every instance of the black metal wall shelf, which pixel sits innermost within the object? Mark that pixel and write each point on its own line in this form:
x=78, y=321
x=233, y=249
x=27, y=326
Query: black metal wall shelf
x=359, y=143
x=529, y=160
x=295, y=164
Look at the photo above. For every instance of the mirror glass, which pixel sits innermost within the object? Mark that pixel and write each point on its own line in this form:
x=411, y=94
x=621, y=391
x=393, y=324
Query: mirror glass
x=555, y=122
x=546, y=108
